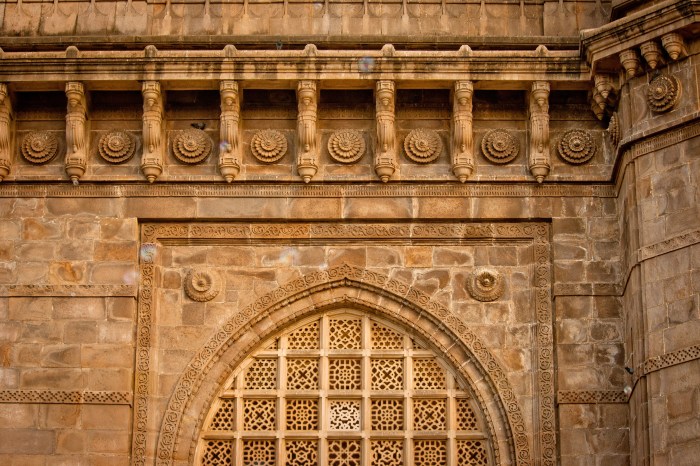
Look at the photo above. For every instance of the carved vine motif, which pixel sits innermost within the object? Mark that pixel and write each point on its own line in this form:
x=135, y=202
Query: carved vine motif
x=268, y=145
x=577, y=146
x=117, y=146
x=486, y=284
x=423, y=145
x=39, y=147
x=202, y=284
x=663, y=93
x=346, y=146
x=500, y=146
x=191, y=146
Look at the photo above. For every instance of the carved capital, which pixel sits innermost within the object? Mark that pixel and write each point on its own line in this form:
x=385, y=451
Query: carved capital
x=307, y=150
x=538, y=160
x=152, y=158
x=76, y=134
x=5, y=132
x=462, y=132
x=385, y=162
x=229, y=144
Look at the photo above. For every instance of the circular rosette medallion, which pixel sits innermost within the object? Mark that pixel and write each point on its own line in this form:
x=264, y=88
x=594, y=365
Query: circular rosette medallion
x=346, y=146
x=116, y=146
x=202, y=284
x=422, y=145
x=499, y=146
x=663, y=93
x=39, y=147
x=486, y=284
x=268, y=145
x=191, y=145
x=577, y=146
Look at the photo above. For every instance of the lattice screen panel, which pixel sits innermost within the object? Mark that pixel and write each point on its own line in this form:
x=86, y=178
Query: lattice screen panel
x=344, y=390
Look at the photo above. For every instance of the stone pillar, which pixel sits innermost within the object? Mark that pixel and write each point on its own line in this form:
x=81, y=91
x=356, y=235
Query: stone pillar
x=462, y=133
x=385, y=162
x=538, y=159
x=152, y=158
x=229, y=144
x=76, y=134
x=5, y=132
x=307, y=150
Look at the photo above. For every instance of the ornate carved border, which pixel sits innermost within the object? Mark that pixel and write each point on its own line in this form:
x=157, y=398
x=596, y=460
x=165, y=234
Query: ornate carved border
x=585, y=397
x=65, y=397
x=538, y=233
x=69, y=290
x=669, y=359
x=671, y=244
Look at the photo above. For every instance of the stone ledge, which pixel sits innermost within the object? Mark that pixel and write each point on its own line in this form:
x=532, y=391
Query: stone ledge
x=65, y=397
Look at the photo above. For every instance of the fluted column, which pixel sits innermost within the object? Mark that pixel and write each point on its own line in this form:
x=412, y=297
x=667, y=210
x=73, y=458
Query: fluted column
x=462, y=133
x=229, y=144
x=307, y=150
x=5, y=132
x=152, y=158
x=538, y=160
x=76, y=134
x=385, y=162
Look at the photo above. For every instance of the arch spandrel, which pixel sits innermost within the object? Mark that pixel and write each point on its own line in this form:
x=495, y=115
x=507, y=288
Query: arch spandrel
x=327, y=289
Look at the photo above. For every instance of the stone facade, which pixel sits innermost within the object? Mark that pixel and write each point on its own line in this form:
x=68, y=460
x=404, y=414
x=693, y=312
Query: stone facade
x=334, y=233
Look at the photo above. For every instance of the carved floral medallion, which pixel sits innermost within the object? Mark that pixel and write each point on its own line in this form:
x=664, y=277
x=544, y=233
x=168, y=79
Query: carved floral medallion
x=116, y=146
x=486, y=284
x=202, y=284
x=577, y=146
x=39, y=147
x=268, y=145
x=423, y=145
x=614, y=130
x=663, y=93
x=500, y=146
x=346, y=146
x=191, y=145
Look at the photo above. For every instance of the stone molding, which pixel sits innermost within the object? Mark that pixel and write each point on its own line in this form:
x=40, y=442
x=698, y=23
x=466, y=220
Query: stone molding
x=672, y=244
x=65, y=397
x=586, y=397
x=538, y=233
x=673, y=358
x=69, y=290
x=587, y=289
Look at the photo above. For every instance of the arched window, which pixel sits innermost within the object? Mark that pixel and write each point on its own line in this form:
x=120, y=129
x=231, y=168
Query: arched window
x=344, y=389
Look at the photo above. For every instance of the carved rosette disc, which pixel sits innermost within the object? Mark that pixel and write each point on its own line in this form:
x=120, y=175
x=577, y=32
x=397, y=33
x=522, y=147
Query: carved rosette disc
x=577, y=146
x=423, y=145
x=268, y=145
x=39, y=147
x=614, y=130
x=346, y=146
x=116, y=146
x=191, y=146
x=202, y=284
x=663, y=93
x=499, y=146
x=486, y=284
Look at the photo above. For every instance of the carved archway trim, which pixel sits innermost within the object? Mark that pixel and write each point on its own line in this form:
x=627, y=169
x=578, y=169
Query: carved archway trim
x=306, y=287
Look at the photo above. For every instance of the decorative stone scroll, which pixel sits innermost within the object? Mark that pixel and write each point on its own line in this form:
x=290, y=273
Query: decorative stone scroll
x=486, y=284
x=191, y=146
x=229, y=144
x=39, y=147
x=307, y=151
x=76, y=153
x=462, y=132
x=116, y=146
x=152, y=158
x=538, y=161
x=500, y=146
x=5, y=137
x=346, y=146
x=268, y=145
x=663, y=93
x=577, y=146
x=422, y=145
x=385, y=162
x=202, y=284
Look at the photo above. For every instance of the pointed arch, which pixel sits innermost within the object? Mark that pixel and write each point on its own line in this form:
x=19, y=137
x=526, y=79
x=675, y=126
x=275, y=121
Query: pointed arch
x=319, y=291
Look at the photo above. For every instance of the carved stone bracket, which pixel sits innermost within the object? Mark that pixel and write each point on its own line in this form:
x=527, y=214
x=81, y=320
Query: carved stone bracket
x=603, y=95
x=229, y=144
x=462, y=132
x=538, y=161
x=385, y=162
x=307, y=151
x=76, y=134
x=152, y=158
x=5, y=132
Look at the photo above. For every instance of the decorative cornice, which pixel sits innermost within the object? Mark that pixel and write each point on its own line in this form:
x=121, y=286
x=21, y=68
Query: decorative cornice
x=69, y=290
x=65, y=397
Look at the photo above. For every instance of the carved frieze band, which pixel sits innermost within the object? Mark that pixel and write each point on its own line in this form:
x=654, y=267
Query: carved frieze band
x=670, y=359
x=591, y=396
x=69, y=290
x=587, y=289
x=65, y=397
x=671, y=244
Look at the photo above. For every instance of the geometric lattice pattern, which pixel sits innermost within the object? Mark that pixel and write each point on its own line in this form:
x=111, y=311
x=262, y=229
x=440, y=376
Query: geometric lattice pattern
x=344, y=389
